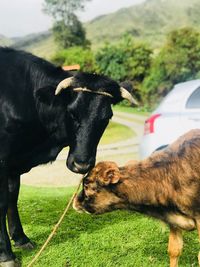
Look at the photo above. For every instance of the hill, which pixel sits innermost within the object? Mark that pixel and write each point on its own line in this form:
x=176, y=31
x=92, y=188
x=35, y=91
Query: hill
x=41, y=44
x=4, y=41
x=149, y=21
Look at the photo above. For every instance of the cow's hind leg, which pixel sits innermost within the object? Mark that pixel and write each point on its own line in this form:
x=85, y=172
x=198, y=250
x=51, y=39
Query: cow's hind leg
x=15, y=227
x=6, y=255
x=175, y=246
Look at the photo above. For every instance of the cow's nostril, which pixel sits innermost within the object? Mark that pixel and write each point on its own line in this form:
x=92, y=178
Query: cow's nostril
x=81, y=167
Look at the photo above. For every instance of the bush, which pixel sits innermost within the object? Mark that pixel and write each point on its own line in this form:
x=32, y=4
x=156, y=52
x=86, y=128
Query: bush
x=178, y=61
x=76, y=55
x=126, y=60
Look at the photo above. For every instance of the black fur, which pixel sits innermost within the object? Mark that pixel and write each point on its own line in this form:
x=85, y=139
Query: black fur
x=35, y=125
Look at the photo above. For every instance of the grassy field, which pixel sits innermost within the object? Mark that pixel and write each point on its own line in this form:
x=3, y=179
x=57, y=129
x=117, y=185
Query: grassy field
x=120, y=238
x=116, y=132
x=132, y=110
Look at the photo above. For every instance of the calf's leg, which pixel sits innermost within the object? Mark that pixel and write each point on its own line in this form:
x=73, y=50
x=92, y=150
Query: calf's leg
x=198, y=230
x=175, y=246
x=15, y=227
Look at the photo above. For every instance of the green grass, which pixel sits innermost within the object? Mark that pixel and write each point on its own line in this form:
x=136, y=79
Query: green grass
x=138, y=111
x=116, y=132
x=119, y=238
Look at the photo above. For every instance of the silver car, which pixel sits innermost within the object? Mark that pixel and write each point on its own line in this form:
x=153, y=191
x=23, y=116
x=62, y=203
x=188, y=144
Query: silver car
x=178, y=113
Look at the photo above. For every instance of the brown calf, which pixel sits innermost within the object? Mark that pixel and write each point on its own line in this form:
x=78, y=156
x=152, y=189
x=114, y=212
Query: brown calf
x=166, y=186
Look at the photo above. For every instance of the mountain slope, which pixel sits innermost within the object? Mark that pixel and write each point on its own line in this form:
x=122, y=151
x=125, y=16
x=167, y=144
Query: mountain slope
x=150, y=20
x=4, y=41
x=41, y=44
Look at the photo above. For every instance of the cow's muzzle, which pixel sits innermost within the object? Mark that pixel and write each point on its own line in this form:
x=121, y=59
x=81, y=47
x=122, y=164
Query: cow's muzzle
x=79, y=167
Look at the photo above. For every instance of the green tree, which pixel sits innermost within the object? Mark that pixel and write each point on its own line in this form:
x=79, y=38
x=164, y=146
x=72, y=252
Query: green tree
x=63, y=9
x=125, y=60
x=76, y=55
x=67, y=28
x=110, y=61
x=138, y=59
x=71, y=35
x=178, y=60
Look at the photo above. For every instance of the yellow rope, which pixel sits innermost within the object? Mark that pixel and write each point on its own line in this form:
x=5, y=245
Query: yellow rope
x=56, y=226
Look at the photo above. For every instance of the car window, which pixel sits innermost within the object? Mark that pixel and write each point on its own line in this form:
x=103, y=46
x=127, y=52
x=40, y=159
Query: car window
x=194, y=100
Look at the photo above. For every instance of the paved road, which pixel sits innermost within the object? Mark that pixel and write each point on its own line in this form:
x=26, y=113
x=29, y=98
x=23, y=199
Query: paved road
x=57, y=174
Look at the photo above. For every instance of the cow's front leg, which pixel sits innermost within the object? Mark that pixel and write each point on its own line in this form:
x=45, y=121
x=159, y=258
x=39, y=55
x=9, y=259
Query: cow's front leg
x=6, y=255
x=15, y=227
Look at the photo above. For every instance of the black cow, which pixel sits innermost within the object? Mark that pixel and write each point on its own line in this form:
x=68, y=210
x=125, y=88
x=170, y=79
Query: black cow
x=43, y=109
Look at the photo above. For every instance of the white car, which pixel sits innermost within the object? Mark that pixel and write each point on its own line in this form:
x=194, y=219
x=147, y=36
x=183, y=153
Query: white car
x=178, y=113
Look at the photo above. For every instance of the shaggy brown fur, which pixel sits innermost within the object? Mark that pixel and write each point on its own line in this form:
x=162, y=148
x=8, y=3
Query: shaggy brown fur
x=166, y=186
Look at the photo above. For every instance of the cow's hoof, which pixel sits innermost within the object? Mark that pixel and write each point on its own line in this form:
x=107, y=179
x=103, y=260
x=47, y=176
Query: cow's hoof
x=27, y=246
x=13, y=263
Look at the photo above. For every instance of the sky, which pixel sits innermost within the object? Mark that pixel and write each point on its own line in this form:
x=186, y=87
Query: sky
x=21, y=17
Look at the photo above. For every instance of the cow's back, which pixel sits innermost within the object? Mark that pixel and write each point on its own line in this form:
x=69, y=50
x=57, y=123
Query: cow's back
x=21, y=74
x=20, y=70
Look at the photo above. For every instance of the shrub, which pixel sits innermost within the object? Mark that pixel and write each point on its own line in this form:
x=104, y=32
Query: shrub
x=178, y=61
x=76, y=55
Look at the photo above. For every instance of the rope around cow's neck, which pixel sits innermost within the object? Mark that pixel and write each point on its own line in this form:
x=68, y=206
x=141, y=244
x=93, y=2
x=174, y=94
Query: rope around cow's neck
x=56, y=226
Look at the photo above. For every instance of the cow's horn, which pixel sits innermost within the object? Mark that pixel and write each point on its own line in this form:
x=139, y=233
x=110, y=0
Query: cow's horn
x=126, y=95
x=63, y=84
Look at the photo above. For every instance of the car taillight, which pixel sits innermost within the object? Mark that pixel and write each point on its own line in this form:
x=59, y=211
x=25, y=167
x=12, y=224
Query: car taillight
x=149, y=124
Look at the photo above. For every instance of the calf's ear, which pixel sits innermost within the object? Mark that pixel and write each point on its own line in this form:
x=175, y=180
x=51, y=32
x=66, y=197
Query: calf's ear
x=111, y=176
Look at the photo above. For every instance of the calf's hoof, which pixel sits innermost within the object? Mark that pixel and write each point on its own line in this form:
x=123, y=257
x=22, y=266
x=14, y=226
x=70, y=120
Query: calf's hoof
x=27, y=246
x=13, y=263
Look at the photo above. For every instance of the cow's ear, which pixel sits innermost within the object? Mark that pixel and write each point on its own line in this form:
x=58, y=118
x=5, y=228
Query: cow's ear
x=111, y=176
x=45, y=95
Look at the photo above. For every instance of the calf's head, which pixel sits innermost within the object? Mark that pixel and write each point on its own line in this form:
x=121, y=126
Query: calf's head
x=89, y=112
x=100, y=191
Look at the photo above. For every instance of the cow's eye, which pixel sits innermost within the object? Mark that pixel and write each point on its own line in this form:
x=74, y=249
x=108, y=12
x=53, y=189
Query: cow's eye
x=74, y=117
x=75, y=120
